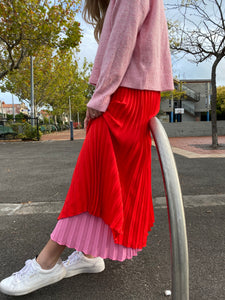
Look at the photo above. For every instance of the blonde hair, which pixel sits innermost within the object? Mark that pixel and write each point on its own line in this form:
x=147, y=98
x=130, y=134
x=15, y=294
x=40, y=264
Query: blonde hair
x=94, y=13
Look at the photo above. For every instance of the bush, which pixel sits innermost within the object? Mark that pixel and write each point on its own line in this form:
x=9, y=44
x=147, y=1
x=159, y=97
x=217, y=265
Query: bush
x=43, y=128
x=30, y=132
x=25, y=131
x=21, y=117
x=17, y=127
x=9, y=117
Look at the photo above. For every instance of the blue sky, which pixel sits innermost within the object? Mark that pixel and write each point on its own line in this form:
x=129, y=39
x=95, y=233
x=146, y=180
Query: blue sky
x=182, y=68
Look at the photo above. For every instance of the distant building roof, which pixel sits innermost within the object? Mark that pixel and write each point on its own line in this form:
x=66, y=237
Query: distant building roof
x=195, y=80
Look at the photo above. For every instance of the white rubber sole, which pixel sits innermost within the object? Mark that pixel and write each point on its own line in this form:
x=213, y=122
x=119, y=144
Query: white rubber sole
x=34, y=288
x=97, y=269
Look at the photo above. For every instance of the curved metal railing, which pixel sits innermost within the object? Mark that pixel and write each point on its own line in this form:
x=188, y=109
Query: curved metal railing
x=177, y=224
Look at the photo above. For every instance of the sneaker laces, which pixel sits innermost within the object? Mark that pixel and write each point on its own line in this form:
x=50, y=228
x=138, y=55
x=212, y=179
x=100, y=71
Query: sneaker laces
x=26, y=270
x=72, y=258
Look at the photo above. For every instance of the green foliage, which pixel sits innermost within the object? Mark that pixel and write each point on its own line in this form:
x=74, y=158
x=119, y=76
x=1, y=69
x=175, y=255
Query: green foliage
x=221, y=98
x=25, y=130
x=176, y=94
x=17, y=127
x=9, y=117
x=30, y=132
x=46, y=120
x=56, y=78
x=28, y=25
x=21, y=117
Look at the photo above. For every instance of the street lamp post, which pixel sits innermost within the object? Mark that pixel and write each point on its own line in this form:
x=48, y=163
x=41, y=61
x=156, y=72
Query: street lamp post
x=172, y=106
x=71, y=122
x=32, y=90
x=13, y=108
x=78, y=120
x=2, y=109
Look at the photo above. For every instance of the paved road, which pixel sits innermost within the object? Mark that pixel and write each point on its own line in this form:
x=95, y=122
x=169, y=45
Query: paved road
x=41, y=172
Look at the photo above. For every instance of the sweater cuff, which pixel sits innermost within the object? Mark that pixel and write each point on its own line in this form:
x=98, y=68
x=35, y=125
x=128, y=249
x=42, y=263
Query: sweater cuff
x=99, y=104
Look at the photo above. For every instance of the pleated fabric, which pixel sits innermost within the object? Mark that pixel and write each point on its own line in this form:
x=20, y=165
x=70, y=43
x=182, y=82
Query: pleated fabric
x=112, y=178
x=91, y=235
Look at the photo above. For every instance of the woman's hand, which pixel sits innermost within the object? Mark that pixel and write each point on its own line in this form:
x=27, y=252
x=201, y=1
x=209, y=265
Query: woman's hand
x=91, y=113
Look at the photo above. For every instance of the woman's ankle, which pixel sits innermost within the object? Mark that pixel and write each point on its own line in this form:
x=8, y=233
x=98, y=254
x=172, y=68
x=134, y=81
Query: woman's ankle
x=45, y=265
x=88, y=256
x=49, y=255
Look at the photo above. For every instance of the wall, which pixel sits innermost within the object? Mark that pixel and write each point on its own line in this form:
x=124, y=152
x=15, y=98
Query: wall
x=186, y=117
x=204, y=88
x=165, y=105
x=192, y=128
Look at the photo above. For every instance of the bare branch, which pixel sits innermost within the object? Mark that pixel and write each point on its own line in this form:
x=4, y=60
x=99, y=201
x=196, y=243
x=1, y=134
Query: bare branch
x=219, y=6
x=20, y=60
x=3, y=74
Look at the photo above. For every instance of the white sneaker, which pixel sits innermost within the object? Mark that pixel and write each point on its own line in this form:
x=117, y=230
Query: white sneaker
x=78, y=263
x=31, y=277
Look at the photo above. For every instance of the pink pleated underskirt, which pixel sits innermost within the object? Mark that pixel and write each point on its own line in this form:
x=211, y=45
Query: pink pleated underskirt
x=90, y=235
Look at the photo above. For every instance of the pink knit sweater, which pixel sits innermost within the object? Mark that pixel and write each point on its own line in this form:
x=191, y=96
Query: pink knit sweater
x=133, y=51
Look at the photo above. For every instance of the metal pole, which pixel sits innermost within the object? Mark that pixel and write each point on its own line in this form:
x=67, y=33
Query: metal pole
x=49, y=122
x=172, y=104
x=78, y=120
x=70, y=108
x=13, y=109
x=32, y=90
x=38, y=136
x=2, y=109
x=71, y=122
x=177, y=224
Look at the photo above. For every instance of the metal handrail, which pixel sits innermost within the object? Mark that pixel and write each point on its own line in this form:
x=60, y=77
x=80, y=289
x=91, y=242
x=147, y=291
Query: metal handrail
x=192, y=94
x=177, y=224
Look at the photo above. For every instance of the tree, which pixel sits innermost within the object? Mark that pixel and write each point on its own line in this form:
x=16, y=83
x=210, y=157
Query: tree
x=199, y=31
x=28, y=25
x=56, y=78
x=71, y=83
x=18, y=83
x=176, y=94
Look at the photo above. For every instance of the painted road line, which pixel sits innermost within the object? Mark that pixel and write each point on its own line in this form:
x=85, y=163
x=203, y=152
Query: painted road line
x=190, y=201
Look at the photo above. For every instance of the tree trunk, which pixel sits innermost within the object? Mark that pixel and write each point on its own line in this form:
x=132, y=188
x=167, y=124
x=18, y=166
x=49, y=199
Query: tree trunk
x=213, y=107
x=63, y=119
x=213, y=102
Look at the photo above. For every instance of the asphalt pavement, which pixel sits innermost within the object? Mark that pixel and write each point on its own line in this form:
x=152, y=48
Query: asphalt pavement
x=35, y=177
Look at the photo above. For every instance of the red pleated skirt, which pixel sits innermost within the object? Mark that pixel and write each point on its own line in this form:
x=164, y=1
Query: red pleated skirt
x=112, y=177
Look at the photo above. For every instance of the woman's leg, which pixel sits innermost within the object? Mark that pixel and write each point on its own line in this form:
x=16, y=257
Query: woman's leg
x=50, y=255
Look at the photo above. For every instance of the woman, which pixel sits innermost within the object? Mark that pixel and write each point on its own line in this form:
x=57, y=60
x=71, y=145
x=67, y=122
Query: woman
x=108, y=210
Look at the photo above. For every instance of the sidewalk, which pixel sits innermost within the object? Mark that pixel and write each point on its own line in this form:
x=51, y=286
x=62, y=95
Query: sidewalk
x=63, y=135
x=191, y=147
x=196, y=147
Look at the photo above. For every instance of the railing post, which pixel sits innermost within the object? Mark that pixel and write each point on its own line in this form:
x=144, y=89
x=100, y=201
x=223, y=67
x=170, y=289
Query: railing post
x=177, y=224
x=38, y=137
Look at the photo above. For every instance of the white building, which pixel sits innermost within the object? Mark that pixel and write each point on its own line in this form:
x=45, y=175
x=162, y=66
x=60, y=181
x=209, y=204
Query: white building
x=8, y=108
x=194, y=104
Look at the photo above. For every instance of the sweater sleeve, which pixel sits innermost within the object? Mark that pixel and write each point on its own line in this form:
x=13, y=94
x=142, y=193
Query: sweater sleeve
x=127, y=18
